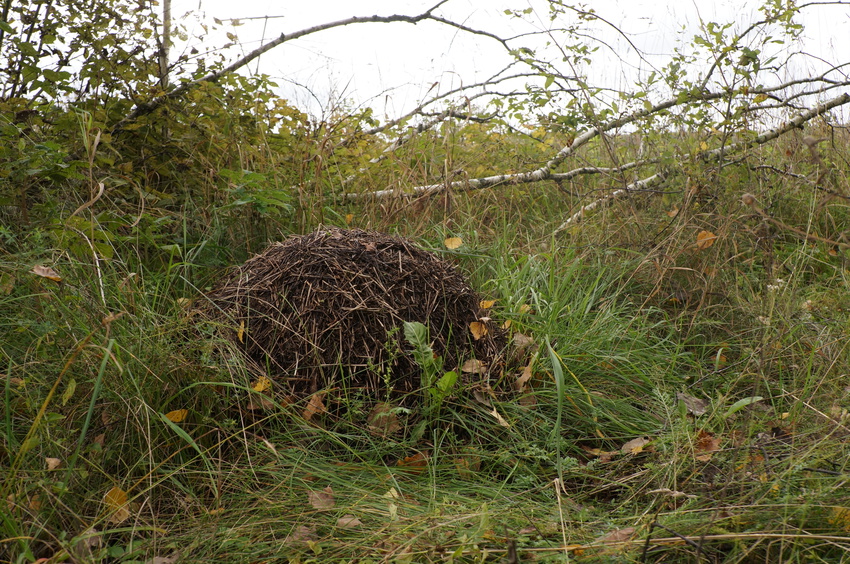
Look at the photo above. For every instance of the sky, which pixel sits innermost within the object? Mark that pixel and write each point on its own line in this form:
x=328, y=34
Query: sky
x=392, y=67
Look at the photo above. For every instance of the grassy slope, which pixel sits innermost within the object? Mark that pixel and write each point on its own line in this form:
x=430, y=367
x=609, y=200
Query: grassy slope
x=625, y=310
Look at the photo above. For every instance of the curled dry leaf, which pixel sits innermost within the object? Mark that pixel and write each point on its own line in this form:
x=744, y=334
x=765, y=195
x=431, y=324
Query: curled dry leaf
x=478, y=329
x=322, y=500
x=634, y=446
x=348, y=522
x=382, y=421
x=316, y=406
x=46, y=272
x=499, y=418
x=53, y=463
x=706, y=445
x=520, y=383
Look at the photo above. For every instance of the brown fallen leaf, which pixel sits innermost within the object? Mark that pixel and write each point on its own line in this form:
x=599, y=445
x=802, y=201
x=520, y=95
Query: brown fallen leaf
x=695, y=406
x=322, y=500
x=260, y=402
x=348, y=522
x=301, y=535
x=618, y=536
x=706, y=445
x=414, y=463
x=520, y=383
x=382, y=422
x=522, y=343
x=316, y=406
x=473, y=366
x=467, y=466
x=46, y=272
x=53, y=463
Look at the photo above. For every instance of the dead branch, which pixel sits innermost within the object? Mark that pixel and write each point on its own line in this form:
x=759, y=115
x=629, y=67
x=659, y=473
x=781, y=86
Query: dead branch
x=719, y=153
x=545, y=172
x=750, y=201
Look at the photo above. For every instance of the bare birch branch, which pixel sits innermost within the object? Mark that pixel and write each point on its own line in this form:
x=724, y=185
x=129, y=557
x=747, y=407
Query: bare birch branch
x=151, y=105
x=545, y=172
x=720, y=153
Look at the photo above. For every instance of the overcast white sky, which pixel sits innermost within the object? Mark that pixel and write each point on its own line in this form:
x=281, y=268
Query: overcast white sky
x=390, y=67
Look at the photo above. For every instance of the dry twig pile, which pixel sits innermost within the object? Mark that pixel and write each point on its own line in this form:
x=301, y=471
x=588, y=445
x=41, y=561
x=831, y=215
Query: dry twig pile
x=326, y=310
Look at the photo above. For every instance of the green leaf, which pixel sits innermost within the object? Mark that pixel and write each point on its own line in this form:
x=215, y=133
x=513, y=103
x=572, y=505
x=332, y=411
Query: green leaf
x=741, y=404
x=447, y=382
x=4, y=25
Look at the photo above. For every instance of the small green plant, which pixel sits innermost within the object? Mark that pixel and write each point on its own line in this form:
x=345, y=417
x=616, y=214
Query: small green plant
x=439, y=384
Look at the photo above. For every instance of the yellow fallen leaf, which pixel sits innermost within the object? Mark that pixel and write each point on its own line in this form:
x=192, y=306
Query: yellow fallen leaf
x=349, y=217
x=486, y=304
x=453, y=242
x=177, y=415
x=478, y=329
x=262, y=384
x=241, y=331
x=525, y=308
x=46, y=272
x=634, y=446
x=116, y=502
x=705, y=239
